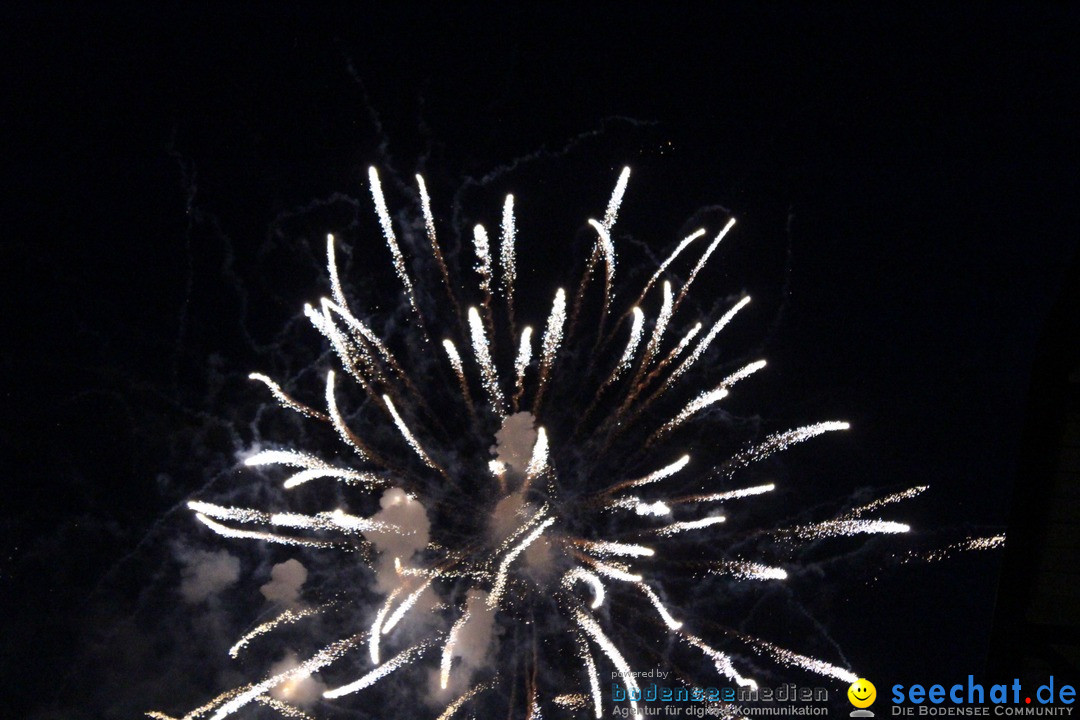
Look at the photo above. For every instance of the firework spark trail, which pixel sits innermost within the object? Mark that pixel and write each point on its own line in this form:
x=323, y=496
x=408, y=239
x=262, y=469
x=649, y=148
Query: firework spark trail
x=607, y=549
x=593, y=629
x=675, y=528
x=410, y=438
x=376, y=626
x=721, y=661
x=429, y=226
x=289, y=711
x=403, y=658
x=705, y=400
x=229, y=532
x=888, y=500
x=636, y=331
x=989, y=542
x=521, y=363
x=746, y=570
x=778, y=442
x=655, y=476
x=726, y=495
x=391, y=240
x=549, y=346
x=448, y=648
x=343, y=430
x=613, y=571
x=834, y=528
x=705, y=342
x=658, y=329
x=538, y=463
x=575, y=574
x=329, y=654
x=405, y=606
x=671, y=622
x=701, y=263
x=482, y=246
x=787, y=657
x=594, y=677
x=286, y=618
x=286, y=400
x=508, y=239
x=456, y=705
x=313, y=468
x=500, y=578
x=481, y=350
x=459, y=370
x=683, y=244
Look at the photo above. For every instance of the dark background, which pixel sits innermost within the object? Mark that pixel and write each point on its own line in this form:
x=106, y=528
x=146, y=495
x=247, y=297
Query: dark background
x=905, y=181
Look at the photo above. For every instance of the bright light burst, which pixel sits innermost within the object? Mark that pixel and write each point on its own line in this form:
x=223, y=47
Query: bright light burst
x=536, y=541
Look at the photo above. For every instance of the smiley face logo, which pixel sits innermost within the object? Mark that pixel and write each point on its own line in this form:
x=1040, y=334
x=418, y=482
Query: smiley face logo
x=862, y=693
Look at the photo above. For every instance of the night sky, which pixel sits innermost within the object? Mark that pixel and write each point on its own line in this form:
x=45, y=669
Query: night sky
x=905, y=182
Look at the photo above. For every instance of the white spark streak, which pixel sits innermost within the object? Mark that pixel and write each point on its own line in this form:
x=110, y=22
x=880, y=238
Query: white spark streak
x=674, y=528
x=538, y=463
x=506, y=250
x=459, y=369
x=388, y=234
x=500, y=578
x=286, y=618
x=745, y=570
x=686, y=340
x=834, y=528
x=782, y=441
x=448, y=649
x=483, y=357
x=671, y=622
x=728, y=495
x=483, y=260
x=402, y=658
x=289, y=711
x=456, y=705
x=656, y=476
x=636, y=331
x=615, y=572
x=655, y=509
x=612, y=212
x=404, y=607
x=820, y=667
x=407, y=434
x=581, y=574
x=553, y=334
x=335, y=520
x=594, y=677
x=284, y=399
x=524, y=357
x=721, y=661
x=605, y=549
x=660, y=327
x=229, y=532
x=590, y=626
x=704, y=259
x=670, y=259
x=315, y=468
x=607, y=250
x=338, y=421
x=888, y=500
x=704, y=343
x=695, y=406
x=321, y=659
x=376, y=627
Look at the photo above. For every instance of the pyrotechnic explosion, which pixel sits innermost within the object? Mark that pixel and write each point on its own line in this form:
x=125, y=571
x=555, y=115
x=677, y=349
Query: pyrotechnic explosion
x=518, y=568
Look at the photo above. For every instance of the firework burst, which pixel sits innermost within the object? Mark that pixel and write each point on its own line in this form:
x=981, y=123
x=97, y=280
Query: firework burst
x=517, y=569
